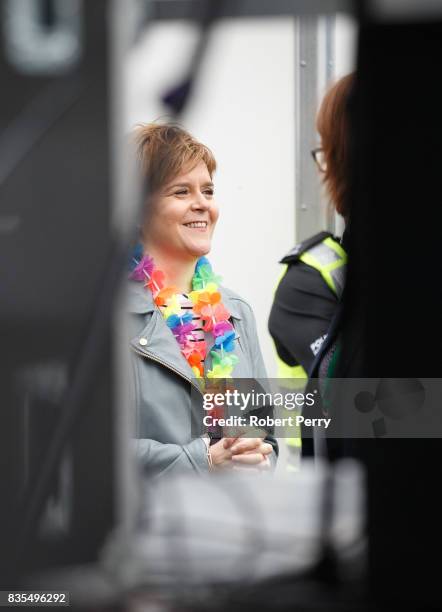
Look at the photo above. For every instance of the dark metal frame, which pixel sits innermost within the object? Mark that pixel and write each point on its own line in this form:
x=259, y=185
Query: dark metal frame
x=189, y=9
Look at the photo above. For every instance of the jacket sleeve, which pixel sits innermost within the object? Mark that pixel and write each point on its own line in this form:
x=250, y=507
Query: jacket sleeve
x=158, y=458
x=301, y=313
x=154, y=456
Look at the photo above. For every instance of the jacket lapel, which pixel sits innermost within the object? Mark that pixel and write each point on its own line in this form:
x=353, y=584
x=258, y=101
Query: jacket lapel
x=157, y=342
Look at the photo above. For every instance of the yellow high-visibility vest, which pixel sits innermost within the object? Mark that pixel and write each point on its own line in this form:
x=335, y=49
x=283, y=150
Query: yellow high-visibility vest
x=329, y=258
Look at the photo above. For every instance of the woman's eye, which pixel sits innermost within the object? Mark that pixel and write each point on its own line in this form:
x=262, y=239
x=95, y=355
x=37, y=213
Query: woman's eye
x=181, y=192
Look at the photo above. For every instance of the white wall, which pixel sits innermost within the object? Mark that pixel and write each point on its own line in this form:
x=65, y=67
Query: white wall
x=345, y=45
x=243, y=110
x=345, y=62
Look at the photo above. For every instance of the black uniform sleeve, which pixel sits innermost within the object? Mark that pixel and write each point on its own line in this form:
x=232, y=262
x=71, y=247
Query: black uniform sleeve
x=301, y=314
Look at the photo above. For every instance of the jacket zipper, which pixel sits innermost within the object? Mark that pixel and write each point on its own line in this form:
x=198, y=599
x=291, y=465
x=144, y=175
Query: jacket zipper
x=148, y=355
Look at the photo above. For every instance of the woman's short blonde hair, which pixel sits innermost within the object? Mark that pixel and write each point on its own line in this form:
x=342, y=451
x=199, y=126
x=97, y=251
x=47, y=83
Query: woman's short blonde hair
x=165, y=150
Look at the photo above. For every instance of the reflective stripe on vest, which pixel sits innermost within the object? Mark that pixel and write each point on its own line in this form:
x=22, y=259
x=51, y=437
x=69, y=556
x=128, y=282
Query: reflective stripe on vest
x=329, y=258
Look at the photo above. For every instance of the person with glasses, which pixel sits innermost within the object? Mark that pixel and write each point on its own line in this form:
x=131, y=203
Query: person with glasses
x=312, y=280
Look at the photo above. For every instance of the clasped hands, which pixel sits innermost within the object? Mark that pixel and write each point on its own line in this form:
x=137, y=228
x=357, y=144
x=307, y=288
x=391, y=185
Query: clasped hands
x=241, y=453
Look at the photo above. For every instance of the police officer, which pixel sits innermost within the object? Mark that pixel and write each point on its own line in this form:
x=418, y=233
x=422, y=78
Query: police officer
x=312, y=280
x=305, y=301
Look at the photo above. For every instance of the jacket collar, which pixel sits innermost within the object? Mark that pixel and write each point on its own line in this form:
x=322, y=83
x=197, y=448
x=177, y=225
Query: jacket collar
x=155, y=340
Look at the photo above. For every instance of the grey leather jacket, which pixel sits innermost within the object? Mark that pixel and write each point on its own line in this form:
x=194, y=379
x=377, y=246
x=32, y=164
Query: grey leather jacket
x=164, y=441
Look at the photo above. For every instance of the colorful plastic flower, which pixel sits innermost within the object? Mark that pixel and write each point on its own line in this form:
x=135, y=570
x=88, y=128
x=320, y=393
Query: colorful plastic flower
x=222, y=365
x=224, y=360
x=226, y=341
x=222, y=327
x=195, y=360
x=156, y=282
x=135, y=256
x=202, y=261
x=219, y=371
x=212, y=311
x=143, y=269
x=200, y=346
x=173, y=307
x=165, y=294
x=221, y=313
x=181, y=332
x=204, y=275
x=175, y=320
x=201, y=299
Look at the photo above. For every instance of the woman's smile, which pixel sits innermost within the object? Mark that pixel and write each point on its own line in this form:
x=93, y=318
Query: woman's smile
x=200, y=226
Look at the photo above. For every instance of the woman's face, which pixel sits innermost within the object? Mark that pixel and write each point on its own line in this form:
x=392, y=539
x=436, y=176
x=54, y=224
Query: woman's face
x=182, y=216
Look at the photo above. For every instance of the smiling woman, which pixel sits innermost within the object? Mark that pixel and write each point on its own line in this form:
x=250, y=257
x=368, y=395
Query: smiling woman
x=185, y=325
x=179, y=224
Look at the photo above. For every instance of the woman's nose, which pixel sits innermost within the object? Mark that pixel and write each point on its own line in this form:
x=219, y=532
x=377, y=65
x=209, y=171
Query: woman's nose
x=200, y=202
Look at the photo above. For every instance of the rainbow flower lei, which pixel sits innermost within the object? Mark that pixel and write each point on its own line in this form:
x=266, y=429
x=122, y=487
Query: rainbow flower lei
x=207, y=304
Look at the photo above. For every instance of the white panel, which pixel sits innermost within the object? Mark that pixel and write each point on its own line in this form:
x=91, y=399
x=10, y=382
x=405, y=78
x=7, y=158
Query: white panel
x=345, y=62
x=345, y=50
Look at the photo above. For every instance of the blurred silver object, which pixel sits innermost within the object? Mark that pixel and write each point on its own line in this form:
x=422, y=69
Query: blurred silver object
x=34, y=47
x=231, y=529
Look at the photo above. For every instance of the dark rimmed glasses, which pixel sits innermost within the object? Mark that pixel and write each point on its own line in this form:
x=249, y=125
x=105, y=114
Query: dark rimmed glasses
x=319, y=157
